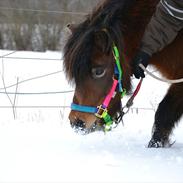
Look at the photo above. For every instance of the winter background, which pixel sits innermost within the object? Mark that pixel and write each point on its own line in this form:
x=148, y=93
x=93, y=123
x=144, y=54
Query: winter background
x=37, y=143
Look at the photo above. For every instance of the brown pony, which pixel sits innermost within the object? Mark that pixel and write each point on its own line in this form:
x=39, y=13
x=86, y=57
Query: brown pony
x=90, y=63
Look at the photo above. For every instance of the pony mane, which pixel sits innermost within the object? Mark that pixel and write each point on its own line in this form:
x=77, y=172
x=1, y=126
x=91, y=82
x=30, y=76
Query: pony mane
x=77, y=52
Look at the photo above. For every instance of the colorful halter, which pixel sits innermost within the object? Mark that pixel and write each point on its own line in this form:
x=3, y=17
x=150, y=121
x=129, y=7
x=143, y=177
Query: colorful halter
x=102, y=111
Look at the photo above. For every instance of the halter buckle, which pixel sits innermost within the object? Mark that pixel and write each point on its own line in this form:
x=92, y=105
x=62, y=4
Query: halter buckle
x=101, y=111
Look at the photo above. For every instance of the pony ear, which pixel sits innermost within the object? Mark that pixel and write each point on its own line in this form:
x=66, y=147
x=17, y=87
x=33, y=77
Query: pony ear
x=71, y=27
x=102, y=41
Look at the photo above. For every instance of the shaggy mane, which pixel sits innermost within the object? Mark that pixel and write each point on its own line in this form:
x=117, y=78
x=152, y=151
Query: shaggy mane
x=78, y=49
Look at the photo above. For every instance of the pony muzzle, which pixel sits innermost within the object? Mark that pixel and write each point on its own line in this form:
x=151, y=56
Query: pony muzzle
x=82, y=120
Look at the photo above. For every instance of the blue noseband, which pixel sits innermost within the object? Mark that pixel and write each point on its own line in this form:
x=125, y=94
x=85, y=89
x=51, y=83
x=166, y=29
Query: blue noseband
x=83, y=108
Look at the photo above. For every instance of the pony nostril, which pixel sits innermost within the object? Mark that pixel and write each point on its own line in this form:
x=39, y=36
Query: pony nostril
x=80, y=124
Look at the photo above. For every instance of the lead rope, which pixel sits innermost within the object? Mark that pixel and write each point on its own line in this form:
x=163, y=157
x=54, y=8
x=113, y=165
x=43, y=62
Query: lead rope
x=129, y=103
x=161, y=79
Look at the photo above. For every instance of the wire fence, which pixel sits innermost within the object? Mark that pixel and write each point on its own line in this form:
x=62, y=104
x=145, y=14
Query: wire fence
x=6, y=56
x=3, y=90
x=12, y=96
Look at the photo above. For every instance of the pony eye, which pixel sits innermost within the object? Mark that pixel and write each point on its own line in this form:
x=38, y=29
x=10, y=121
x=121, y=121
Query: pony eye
x=98, y=72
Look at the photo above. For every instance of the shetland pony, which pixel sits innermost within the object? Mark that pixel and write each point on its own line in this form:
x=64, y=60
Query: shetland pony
x=115, y=28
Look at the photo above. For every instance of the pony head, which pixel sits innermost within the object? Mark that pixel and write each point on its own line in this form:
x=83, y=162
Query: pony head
x=90, y=64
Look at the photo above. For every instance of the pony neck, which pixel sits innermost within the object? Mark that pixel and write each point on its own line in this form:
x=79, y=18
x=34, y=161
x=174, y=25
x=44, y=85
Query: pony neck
x=135, y=23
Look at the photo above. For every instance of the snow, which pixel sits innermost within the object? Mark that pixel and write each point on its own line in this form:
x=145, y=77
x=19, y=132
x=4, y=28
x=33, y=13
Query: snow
x=38, y=145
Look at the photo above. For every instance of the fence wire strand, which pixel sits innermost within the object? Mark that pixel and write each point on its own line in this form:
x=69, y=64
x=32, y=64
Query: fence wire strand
x=29, y=58
x=33, y=78
x=37, y=93
x=44, y=11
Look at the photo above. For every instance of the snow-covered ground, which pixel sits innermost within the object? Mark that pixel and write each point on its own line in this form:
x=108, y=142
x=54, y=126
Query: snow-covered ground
x=38, y=145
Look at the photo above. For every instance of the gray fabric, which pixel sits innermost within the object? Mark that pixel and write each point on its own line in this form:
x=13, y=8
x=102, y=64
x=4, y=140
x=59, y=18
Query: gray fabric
x=164, y=26
x=174, y=8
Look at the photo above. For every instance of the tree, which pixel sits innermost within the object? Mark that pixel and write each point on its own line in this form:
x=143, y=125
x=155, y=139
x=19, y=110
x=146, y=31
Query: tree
x=39, y=30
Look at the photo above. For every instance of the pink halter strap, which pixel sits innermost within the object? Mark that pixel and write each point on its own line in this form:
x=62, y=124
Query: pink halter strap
x=110, y=94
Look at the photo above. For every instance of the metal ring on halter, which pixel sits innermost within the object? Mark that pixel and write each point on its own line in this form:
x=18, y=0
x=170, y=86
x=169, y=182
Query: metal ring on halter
x=101, y=111
x=125, y=109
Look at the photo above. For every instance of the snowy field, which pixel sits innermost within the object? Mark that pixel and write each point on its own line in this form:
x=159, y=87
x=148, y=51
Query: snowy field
x=38, y=145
